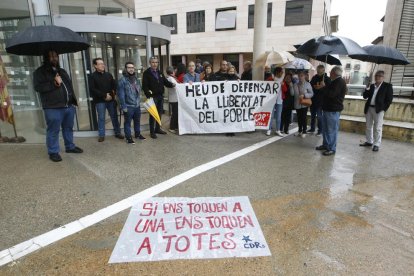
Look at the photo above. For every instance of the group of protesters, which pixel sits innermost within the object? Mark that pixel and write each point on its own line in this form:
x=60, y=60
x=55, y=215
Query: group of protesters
x=324, y=95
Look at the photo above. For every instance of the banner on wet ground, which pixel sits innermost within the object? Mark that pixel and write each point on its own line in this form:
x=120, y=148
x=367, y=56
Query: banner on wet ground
x=223, y=107
x=190, y=228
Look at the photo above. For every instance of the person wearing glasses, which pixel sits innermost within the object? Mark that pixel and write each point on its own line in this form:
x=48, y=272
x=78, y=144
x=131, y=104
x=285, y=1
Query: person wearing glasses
x=379, y=95
x=129, y=90
x=153, y=82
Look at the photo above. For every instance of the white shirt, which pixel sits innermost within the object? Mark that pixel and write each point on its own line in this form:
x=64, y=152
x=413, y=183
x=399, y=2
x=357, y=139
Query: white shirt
x=279, y=99
x=375, y=93
x=172, y=92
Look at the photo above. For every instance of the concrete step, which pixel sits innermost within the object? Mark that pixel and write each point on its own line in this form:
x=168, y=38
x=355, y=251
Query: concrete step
x=395, y=130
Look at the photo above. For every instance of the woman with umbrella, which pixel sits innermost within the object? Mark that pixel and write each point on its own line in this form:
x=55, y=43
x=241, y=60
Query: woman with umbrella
x=302, y=90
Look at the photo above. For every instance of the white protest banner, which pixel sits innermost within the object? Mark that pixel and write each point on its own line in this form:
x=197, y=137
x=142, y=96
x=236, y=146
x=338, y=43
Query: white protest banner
x=190, y=228
x=222, y=107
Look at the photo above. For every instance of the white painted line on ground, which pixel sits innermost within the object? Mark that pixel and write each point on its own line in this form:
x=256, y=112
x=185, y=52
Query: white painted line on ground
x=22, y=249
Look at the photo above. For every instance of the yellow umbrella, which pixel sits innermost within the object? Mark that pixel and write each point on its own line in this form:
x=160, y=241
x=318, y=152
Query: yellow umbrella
x=150, y=106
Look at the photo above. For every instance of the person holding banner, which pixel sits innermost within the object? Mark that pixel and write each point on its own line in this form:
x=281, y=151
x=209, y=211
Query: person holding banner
x=191, y=76
x=247, y=71
x=288, y=98
x=232, y=74
x=180, y=72
x=302, y=89
x=172, y=100
x=222, y=74
x=208, y=74
x=153, y=82
x=277, y=110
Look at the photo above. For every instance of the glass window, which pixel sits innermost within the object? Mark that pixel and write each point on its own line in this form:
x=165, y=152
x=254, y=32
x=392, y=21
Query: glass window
x=298, y=12
x=16, y=72
x=251, y=16
x=100, y=7
x=147, y=19
x=170, y=20
x=203, y=58
x=195, y=22
x=226, y=19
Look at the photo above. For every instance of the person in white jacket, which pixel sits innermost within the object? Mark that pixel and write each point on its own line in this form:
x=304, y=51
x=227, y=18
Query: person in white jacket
x=172, y=100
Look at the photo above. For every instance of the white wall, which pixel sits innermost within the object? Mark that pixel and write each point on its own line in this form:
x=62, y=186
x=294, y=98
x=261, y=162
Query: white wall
x=232, y=41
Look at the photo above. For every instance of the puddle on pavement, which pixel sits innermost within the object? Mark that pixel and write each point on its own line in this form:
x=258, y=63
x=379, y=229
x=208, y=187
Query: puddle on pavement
x=304, y=233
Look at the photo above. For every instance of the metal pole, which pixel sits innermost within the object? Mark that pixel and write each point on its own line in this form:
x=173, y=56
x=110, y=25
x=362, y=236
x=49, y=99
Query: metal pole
x=259, y=38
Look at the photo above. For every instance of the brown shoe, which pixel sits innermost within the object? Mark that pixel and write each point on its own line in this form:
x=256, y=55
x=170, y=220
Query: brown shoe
x=101, y=139
x=120, y=136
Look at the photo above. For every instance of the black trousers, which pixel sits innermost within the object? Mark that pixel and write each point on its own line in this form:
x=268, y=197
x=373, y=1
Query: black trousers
x=286, y=119
x=301, y=113
x=174, y=116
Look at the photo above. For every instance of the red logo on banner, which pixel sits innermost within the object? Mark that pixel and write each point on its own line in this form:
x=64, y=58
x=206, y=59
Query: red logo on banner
x=262, y=118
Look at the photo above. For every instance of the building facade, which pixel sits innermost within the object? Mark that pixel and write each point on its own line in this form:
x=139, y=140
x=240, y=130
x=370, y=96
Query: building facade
x=111, y=29
x=398, y=32
x=215, y=30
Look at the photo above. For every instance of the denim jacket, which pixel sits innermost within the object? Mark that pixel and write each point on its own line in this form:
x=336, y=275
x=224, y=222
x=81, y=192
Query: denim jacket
x=127, y=95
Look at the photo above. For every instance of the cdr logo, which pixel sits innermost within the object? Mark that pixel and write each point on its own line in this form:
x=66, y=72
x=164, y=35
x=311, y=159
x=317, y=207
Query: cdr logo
x=249, y=244
x=262, y=118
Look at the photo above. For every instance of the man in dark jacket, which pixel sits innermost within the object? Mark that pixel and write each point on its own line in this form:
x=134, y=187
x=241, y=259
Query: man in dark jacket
x=332, y=105
x=222, y=74
x=153, y=82
x=58, y=101
x=379, y=97
x=247, y=71
x=102, y=86
x=316, y=107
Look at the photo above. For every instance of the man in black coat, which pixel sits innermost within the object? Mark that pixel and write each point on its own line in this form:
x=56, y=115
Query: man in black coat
x=102, y=87
x=247, y=71
x=332, y=105
x=379, y=95
x=316, y=107
x=222, y=74
x=153, y=82
x=58, y=101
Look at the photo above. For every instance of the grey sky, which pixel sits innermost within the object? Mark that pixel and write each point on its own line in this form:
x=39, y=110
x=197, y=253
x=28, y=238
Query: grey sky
x=359, y=20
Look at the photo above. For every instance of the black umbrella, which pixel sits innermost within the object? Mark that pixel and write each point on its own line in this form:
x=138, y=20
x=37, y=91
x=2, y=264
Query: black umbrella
x=35, y=41
x=326, y=45
x=381, y=54
x=327, y=59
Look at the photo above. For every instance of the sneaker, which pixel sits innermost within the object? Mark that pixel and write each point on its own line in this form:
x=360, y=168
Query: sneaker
x=321, y=147
x=278, y=133
x=311, y=130
x=75, y=150
x=365, y=144
x=101, y=139
x=130, y=141
x=375, y=148
x=160, y=131
x=287, y=132
x=153, y=136
x=55, y=157
x=268, y=133
x=119, y=136
x=328, y=153
x=140, y=137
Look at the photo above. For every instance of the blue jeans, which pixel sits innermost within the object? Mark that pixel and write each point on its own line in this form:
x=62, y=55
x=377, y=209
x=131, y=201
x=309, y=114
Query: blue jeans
x=316, y=112
x=330, y=129
x=276, y=116
x=101, y=109
x=134, y=113
x=57, y=118
x=159, y=103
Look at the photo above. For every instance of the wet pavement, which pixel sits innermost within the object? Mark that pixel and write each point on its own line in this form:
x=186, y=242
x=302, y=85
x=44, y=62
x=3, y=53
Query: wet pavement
x=352, y=213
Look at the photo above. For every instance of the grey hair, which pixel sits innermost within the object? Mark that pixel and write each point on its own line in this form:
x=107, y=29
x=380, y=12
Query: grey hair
x=153, y=58
x=169, y=70
x=338, y=70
